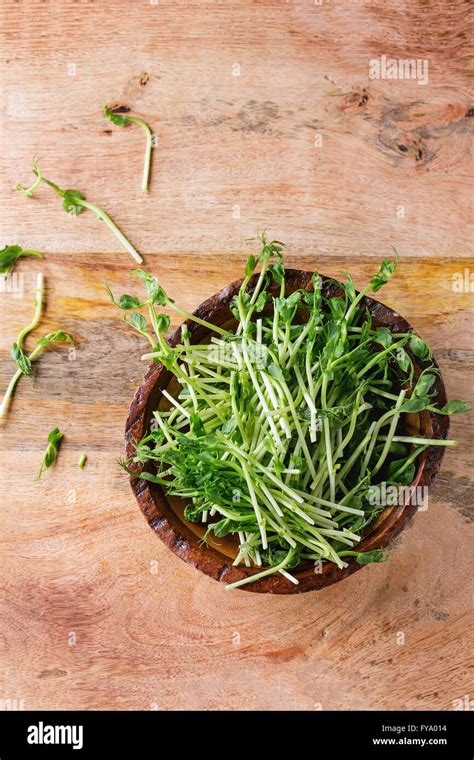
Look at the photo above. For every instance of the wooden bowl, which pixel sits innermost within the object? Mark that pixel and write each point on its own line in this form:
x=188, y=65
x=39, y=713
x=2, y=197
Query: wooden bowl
x=164, y=513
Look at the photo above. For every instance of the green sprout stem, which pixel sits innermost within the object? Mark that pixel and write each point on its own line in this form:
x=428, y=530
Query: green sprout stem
x=419, y=440
x=263, y=574
x=148, y=151
x=38, y=306
x=10, y=254
x=104, y=217
x=121, y=119
x=28, y=192
x=12, y=384
x=25, y=360
x=74, y=202
x=9, y=393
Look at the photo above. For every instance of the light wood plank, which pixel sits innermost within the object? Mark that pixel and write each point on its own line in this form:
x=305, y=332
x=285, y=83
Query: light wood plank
x=95, y=612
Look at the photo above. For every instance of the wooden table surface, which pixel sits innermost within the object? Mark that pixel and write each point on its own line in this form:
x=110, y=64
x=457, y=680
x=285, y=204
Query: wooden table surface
x=266, y=118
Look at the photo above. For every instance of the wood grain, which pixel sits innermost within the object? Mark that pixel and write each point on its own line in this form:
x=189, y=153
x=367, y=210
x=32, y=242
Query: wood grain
x=96, y=613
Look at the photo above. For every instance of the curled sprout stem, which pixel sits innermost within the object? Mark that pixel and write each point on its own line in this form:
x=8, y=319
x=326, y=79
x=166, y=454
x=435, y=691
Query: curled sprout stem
x=122, y=120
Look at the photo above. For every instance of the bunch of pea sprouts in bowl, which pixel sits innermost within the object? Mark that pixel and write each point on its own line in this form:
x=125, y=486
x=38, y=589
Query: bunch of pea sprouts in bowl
x=282, y=431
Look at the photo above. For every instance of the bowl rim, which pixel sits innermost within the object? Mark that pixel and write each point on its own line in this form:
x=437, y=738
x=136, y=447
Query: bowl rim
x=183, y=542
